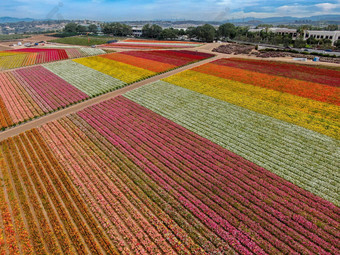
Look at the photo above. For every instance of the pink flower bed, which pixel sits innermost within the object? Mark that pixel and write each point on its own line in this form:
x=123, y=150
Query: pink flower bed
x=225, y=192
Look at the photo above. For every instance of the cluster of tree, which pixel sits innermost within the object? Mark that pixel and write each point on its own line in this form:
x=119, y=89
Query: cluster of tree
x=76, y=28
x=205, y=33
x=117, y=29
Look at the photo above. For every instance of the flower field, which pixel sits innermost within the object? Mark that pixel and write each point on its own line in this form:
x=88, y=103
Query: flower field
x=132, y=66
x=118, y=177
x=34, y=91
x=151, y=44
x=30, y=56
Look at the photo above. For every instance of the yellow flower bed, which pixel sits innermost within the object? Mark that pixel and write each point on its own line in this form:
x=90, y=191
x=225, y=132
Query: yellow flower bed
x=124, y=72
x=9, y=53
x=315, y=115
x=12, y=61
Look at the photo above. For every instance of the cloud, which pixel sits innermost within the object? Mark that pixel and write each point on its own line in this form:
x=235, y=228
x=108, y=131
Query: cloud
x=327, y=6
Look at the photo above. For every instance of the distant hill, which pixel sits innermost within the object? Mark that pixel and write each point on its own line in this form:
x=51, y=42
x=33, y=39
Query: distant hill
x=13, y=20
x=289, y=19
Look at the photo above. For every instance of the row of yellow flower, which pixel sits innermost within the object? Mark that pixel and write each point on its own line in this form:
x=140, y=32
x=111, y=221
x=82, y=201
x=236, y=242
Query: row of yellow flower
x=315, y=115
x=124, y=72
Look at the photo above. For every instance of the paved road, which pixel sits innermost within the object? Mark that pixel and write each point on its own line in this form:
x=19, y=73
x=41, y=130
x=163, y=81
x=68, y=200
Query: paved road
x=77, y=107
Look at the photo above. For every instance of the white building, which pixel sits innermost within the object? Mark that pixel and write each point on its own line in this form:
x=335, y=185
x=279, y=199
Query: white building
x=137, y=31
x=276, y=30
x=255, y=30
x=284, y=31
x=331, y=35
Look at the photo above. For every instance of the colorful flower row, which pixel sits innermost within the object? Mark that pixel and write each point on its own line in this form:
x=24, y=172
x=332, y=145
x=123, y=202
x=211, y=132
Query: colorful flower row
x=11, y=221
x=31, y=92
x=320, y=74
x=151, y=44
x=30, y=56
x=86, y=79
x=126, y=161
x=315, y=115
x=304, y=157
x=306, y=89
x=78, y=232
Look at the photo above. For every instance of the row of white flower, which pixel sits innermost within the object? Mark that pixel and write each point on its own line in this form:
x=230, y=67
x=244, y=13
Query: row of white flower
x=86, y=79
x=92, y=51
x=299, y=155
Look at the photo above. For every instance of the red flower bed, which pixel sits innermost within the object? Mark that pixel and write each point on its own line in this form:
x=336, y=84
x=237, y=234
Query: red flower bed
x=148, y=64
x=177, y=58
x=300, y=72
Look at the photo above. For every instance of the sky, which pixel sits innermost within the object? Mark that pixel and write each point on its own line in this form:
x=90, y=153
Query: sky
x=119, y=10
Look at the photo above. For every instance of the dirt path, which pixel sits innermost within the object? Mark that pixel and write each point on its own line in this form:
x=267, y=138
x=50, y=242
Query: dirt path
x=77, y=107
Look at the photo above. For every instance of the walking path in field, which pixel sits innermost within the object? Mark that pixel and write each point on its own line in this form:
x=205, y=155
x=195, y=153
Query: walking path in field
x=77, y=107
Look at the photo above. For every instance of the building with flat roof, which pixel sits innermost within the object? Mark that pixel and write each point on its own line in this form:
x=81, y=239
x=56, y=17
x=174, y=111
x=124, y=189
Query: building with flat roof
x=137, y=31
x=277, y=30
x=284, y=31
x=331, y=35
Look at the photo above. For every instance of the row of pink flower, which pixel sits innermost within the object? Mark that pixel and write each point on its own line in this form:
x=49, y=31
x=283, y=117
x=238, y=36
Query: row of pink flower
x=167, y=163
x=33, y=91
x=11, y=93
x=275, y=186
x=53, y=90
x=156, y=159
x=213, y=152
x=88, y=175
x=128, y=198
x=279, y=211
x=128, y=175
x=90, y=192
x=231, y=189
x=156, y=169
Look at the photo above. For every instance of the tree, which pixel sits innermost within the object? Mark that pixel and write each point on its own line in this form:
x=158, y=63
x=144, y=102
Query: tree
x=153, y=31
x=169, y=33
x=81, y=29
x=333, y=27
x=206, y=33
x=93, y=28
x=117, y=29
x=337, y=44
x=71, y=27
x=287, y=40
x=191, y=32
x=227, y=30
x=299, y=43
x=182, y=32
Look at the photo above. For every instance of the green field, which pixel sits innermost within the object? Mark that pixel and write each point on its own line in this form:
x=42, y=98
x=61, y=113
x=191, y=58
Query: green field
x=84, y=40
x=12, y=37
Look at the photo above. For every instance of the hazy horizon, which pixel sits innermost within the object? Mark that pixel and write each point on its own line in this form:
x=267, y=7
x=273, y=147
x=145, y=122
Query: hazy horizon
x=213, y=10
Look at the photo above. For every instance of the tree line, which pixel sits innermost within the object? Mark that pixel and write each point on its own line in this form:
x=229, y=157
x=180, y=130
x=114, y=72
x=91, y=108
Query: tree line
x=209, y=33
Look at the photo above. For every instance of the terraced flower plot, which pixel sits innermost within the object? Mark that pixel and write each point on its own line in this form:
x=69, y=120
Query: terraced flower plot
x=31, y=56
x=151, y=44
x=34, y=91
x=146, y=185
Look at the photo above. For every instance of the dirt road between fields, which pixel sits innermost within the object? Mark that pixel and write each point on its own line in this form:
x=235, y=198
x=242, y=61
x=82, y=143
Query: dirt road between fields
x=79, y=106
